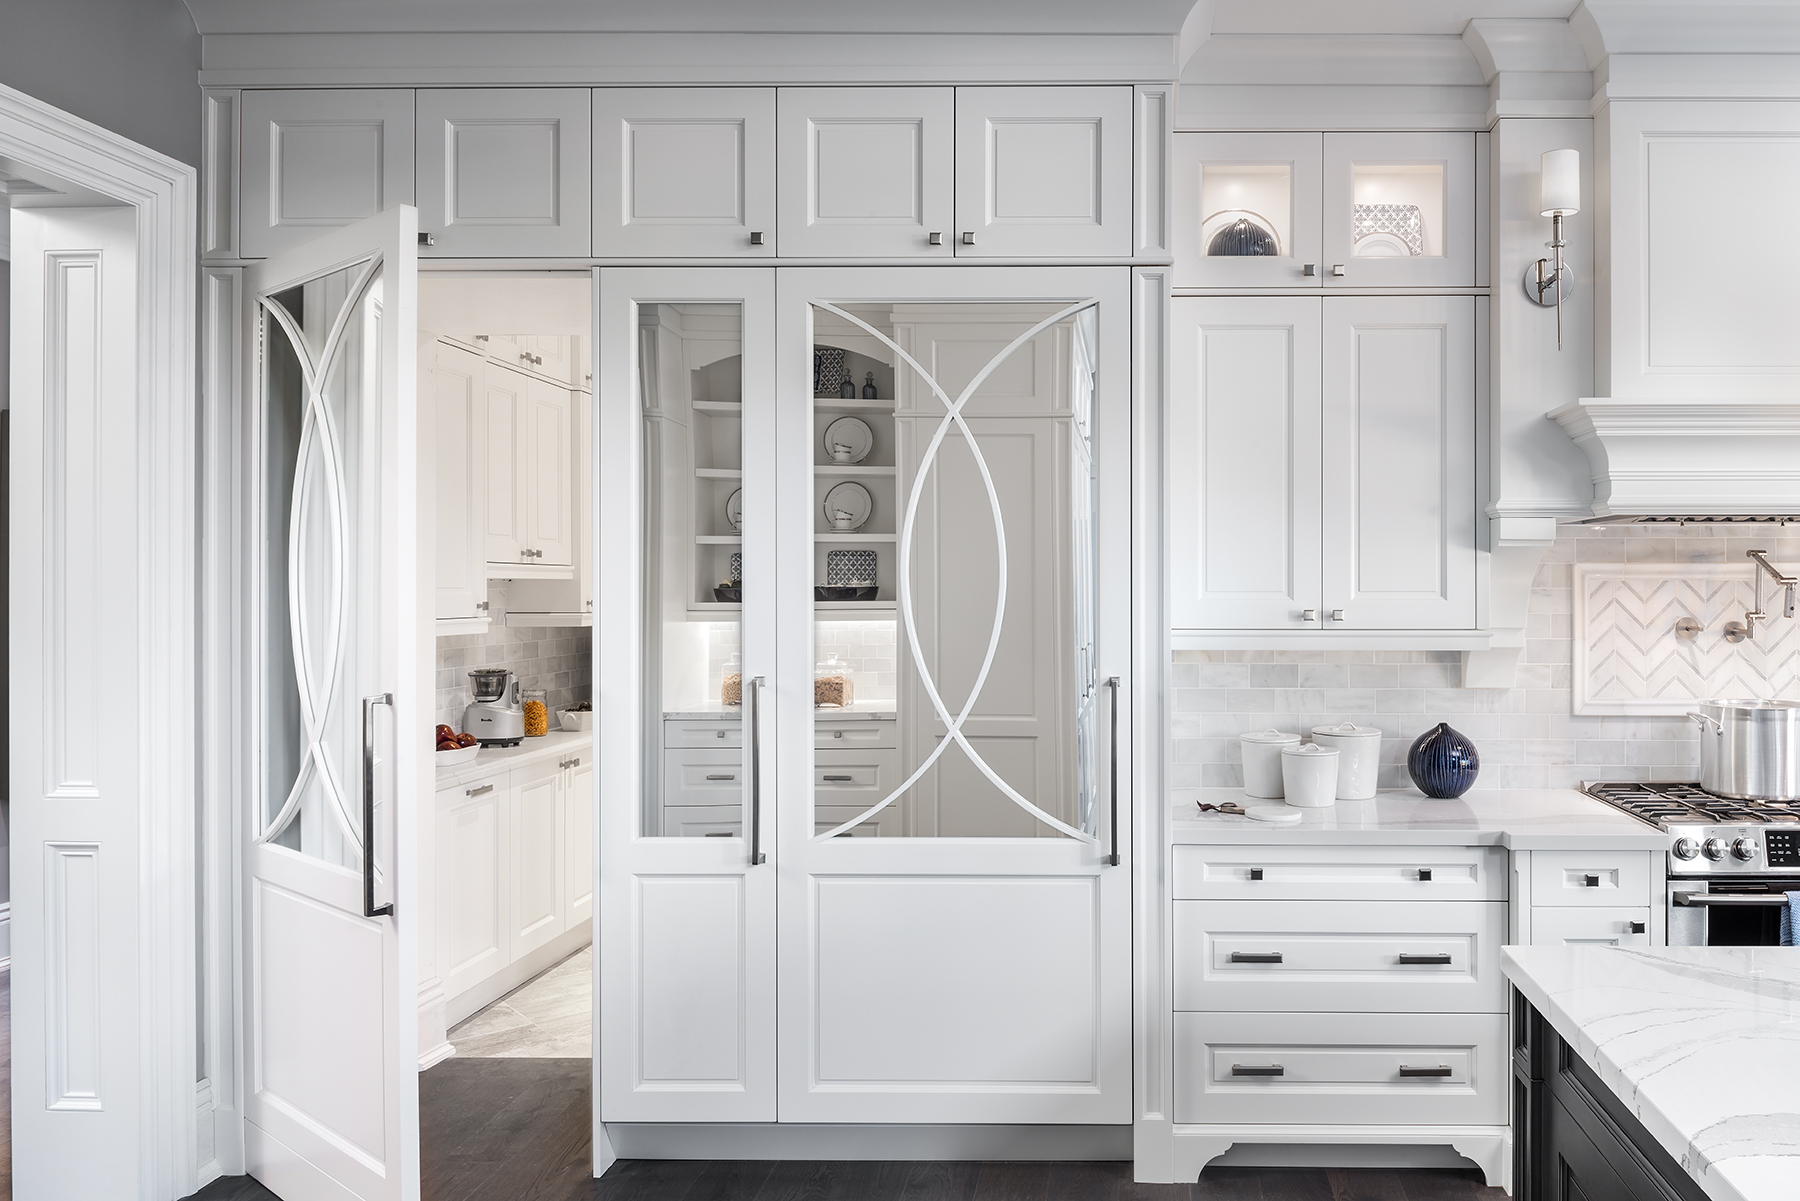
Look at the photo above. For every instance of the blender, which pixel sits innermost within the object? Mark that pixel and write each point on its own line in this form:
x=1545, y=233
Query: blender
x=496, y=718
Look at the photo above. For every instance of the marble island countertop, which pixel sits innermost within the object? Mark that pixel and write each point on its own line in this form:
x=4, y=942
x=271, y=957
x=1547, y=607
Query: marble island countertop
x=1521, y=819
x=1701, y=1043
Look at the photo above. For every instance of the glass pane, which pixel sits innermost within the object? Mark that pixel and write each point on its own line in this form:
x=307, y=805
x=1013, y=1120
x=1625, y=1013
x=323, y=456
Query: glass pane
x=1399, y=211
x=321, y=645
x=953, y=698
x=1246, y=209
x=690, y=387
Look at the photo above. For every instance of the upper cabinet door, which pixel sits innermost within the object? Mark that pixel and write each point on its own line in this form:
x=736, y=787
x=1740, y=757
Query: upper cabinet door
x=505, y=172
x=546, y=470
x=1399, y=460
x=1247, y=210
x=318, y=160
x=1043, y=172
x=684, y=172
x=867, y=172
x=1399, y=210
x=1244, y=444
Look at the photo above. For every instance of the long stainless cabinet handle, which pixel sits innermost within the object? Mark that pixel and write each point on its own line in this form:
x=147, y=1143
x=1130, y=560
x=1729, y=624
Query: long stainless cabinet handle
x=370, y=909
x=1246, y=1069
x=1700, y=900
x=482, y=791
x=1256, y=957
x=839, y=779
x=756, y=854
x=721, y=777
x=1112, y=682
x=1440, y=1070
x=1440, y=958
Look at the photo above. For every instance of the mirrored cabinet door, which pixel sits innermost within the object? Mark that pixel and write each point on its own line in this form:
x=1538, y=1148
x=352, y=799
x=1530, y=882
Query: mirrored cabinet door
x=1247, y=210
x=1399, y=210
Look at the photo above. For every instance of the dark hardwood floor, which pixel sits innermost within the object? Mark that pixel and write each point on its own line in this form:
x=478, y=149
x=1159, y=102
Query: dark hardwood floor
x=517, y=1130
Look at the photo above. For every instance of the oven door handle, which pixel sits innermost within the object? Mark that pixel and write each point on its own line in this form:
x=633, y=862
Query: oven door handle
x=1701, y=900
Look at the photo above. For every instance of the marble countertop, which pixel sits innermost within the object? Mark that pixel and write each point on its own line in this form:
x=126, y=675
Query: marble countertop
x=504, y=758
x=1522, y=819
x=714, y=711
x=1701, y=1043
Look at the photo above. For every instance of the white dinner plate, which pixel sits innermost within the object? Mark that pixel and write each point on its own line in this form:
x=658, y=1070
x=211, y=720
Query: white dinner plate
x=852, y=498
x=851, y=432
x=734, y=510
x=1380, y=244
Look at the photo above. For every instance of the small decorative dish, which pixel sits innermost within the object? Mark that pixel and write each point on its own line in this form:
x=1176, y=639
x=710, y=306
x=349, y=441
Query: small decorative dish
x=576, y=721
x=459, y=756
x=848, y=440
x=734, y=510
x=845, y=592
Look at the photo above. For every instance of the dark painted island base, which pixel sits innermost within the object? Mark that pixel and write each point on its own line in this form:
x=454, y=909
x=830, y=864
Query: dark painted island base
x=1573, y=1139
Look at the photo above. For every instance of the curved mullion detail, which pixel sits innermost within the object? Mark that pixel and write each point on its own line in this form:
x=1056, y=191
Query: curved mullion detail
x=953, y=416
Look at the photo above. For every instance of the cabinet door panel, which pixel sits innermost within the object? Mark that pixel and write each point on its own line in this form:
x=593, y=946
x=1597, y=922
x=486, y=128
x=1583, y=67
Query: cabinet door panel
x=1613, y=927
x=684, y=172
x=319, y=160
x=578, y=840
x=867, y=171
x=474, y=882
x=1400, y=503
x=1043, y=172
x=1244, y=455
x=505, y=171
x=1268, y=182
x=537, y=865
x=549, y=504
x=503, y=491
x=1399, y=210
x=459, y=416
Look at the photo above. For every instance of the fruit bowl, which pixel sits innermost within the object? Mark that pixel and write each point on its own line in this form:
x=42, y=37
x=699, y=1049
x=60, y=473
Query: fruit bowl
x=459, y=756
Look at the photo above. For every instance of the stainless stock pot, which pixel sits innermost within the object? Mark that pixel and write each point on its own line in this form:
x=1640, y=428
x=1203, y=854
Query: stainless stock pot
x=1750, y=750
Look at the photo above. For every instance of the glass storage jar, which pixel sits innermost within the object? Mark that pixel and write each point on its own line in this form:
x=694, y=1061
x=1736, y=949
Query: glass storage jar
x=537, y=712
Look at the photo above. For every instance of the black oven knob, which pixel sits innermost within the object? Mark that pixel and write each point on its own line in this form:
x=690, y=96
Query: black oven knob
x=1686, y=848
x=1714, y=848
x=1744, y=848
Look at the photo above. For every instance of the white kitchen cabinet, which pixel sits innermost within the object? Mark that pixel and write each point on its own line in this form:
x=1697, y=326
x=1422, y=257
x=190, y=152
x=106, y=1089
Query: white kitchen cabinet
x=867, y=172
x=528, y=476
x=1346, y=427
x=568, y=601
x=578, y=838
x=316, y=160
x=458, y=415
x=548, y=471
x=1611, y=927
x=684, y=172
x=1245, y=498
x=1399, y=210
x=535, y=811
x=1399, y=465
x=500, y=483
x=473, y=881
x=1043, y=172
x=1589, y=898
x=1247, y=210
x=505, y=172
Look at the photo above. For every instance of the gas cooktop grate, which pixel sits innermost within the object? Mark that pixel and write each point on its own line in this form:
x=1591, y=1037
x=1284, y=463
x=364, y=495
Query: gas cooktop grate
x=1666, y=804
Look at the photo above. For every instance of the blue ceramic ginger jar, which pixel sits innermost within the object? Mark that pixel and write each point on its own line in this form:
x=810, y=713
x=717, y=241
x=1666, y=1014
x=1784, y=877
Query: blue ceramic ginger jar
x=1443, y=763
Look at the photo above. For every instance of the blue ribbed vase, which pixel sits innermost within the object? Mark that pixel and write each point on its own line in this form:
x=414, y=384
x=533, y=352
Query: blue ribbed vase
x=1443, y=763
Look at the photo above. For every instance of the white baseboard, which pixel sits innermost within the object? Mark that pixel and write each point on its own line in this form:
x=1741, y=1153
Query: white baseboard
x=646, y=1140
x=434, y=1047
x=479, y=996
x=1249, y=1145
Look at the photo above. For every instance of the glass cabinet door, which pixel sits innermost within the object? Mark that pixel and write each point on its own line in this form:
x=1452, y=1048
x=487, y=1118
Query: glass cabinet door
x=1399, y=210
x=1247, y=210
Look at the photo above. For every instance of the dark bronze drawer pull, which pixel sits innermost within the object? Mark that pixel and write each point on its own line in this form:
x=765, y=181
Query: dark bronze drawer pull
x=1590, y=881
x=1256, y=957
x=1241, y=1069
x=1424, y=873
x=721, y=777
x=1256, y=873
x=1438, y=958
x=1637, y=927
x=1437, y=1071
x=839, y=779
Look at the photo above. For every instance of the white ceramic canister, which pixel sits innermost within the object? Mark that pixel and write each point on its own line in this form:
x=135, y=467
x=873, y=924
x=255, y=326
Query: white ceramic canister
x=1359, y=757
x=1309, y=775
x=1262, y=762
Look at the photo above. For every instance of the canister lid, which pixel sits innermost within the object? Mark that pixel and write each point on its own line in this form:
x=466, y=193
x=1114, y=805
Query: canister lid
x=1269, y=736
x=1348, y=729
x=1310, y=750
x=1280, y=815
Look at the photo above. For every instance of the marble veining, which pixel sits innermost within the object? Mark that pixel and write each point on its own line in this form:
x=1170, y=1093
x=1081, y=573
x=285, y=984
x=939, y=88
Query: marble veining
x=1702, y=1044
x=550, y=1016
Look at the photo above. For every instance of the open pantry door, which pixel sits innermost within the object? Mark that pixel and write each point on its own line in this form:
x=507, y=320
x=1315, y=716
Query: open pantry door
x=330, y=924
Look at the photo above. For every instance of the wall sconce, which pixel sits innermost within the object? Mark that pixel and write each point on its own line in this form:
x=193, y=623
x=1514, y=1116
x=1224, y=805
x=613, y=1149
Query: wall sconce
x=1561, y=197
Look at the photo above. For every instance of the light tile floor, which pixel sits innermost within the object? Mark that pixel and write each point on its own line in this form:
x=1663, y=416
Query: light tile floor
x=548, y=1017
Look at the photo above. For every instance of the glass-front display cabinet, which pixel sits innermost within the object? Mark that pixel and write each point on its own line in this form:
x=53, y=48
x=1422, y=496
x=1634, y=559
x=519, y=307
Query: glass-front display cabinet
x=1285, y=210
x=861, y=659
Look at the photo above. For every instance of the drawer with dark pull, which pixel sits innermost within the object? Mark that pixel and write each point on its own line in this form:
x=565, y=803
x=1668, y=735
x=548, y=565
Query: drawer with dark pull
x=1256, y=957
x=1245, y=1069
x=1440, y=1070
x=1405, y=958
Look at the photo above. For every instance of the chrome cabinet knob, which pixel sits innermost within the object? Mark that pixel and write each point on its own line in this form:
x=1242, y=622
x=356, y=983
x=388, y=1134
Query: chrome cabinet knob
x=1714, y=849
x=756, y=238
x=1337, y=270
x=1745, y=849
x=968, y=238
x=1309, y=615
x=1685, y=848
x=934, y=239
x=1337, y=615
x=1309, y=269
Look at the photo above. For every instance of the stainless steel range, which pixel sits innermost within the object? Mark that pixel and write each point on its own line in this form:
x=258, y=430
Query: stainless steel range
x=1730, y=863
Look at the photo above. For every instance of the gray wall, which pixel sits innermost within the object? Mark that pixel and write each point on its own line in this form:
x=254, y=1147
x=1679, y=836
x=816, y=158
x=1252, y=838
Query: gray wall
x=131, y=66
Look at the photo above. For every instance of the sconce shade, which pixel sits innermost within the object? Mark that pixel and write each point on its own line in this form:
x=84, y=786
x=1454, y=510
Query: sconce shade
x=1562, y=182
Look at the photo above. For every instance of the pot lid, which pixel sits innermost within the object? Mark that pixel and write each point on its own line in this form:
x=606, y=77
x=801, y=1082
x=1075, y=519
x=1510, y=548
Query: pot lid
x=1269, y=736
x=1309, y=749
x=1348, y=729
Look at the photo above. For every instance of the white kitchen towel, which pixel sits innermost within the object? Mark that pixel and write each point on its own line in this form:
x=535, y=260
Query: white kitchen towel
x=1790, y=921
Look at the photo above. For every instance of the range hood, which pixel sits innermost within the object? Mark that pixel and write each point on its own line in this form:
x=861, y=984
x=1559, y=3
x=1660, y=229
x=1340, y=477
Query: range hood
x=1682, y=460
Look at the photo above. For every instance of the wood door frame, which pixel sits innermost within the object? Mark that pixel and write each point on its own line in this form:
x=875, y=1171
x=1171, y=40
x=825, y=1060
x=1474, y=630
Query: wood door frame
x=160, y=983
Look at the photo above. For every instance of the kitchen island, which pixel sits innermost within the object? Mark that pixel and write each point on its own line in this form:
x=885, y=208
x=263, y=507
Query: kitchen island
x=1680, y=1078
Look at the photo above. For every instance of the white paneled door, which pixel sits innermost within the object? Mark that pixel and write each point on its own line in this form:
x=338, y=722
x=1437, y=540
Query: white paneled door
x=330, y=925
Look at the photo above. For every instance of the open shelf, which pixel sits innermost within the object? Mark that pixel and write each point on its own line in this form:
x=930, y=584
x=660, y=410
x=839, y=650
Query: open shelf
x=730, y=408
x=854, y=537
x=719, y=473
x=719, y=539
x=874, y=606
x=853, y=470
x=838, y=404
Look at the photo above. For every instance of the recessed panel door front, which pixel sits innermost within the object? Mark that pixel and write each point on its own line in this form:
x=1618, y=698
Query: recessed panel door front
x=320, y=160
x=954, y=912
x=330, y=921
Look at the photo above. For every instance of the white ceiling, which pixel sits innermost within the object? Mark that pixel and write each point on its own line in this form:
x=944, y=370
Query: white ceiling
x=1373, y=16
